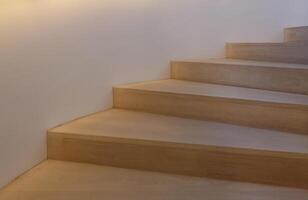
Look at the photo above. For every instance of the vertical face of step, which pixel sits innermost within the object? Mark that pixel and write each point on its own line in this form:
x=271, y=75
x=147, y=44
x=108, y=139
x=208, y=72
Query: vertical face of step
x=248, y=107
x=273, y=52
x=296, y=34
x=259, y=75
x=214, y=162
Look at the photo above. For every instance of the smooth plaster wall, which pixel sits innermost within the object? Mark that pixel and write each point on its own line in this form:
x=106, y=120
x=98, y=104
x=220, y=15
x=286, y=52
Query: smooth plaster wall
x=60, y=58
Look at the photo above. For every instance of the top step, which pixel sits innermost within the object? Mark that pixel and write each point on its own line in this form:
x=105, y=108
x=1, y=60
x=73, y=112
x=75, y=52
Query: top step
x=292, y=52
x=296, y=34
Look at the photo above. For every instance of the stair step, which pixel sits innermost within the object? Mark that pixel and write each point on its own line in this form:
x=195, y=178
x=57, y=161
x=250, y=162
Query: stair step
x=55, y=180
x=282, y=77
x=235, y=105
x=275, y=52
x=296, y=34
x=145, y=141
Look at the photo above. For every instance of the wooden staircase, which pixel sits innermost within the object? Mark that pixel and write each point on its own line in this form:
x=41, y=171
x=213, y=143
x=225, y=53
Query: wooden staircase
x=243, y=118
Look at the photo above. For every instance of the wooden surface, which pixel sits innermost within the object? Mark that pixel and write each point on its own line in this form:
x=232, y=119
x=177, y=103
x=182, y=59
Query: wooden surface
x=182, y=146
x=56, y=180
x=274, y=52
x=117, y=123
x=296, y=34
x=282, y=77
x=249, y=107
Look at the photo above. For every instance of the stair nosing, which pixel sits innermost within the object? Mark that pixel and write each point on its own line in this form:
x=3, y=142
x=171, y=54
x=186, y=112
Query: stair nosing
x=247, y=63
x=296, y=27
x=278, y=44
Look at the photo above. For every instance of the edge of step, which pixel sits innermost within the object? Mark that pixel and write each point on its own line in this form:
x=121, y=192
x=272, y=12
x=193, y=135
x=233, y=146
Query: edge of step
x=230, y=61
x=274, y=44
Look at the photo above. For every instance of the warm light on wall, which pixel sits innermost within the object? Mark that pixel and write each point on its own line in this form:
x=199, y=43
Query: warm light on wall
x=21, y=17
x=19, y=7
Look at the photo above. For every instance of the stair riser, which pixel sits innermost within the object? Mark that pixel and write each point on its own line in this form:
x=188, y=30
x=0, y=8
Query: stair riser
x=204, y=161
x=296, y=34
x=284, y=117
x=291, y=53
x=267, y=78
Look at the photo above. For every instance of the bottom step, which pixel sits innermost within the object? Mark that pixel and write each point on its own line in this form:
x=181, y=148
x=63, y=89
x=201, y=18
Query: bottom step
x=56, y=180
x=144, y=141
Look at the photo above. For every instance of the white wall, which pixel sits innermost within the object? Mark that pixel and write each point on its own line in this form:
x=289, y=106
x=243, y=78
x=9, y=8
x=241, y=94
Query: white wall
x=299, y=13
x=59, y=58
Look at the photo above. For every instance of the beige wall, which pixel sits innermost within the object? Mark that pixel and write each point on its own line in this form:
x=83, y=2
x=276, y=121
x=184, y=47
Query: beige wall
x=59, y=58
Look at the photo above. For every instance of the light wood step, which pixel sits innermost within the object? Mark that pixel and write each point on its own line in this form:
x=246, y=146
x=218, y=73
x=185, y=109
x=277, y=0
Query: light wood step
x=161, y=143
x=243, y=106
x=56, y=180
x=274, y=52
x=282, y=77
x=296, y=34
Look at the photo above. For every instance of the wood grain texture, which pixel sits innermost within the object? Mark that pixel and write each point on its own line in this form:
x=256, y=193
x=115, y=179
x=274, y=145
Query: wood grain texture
x=254, y=113
x=276, y=77
x=285, y=169
x=274, y=52
x=296, y=34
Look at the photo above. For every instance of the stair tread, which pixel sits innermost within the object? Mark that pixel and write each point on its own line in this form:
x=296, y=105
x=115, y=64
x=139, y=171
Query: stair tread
x=55, y=180
x=214, y=90
x=126, y=124
x=239, y=62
